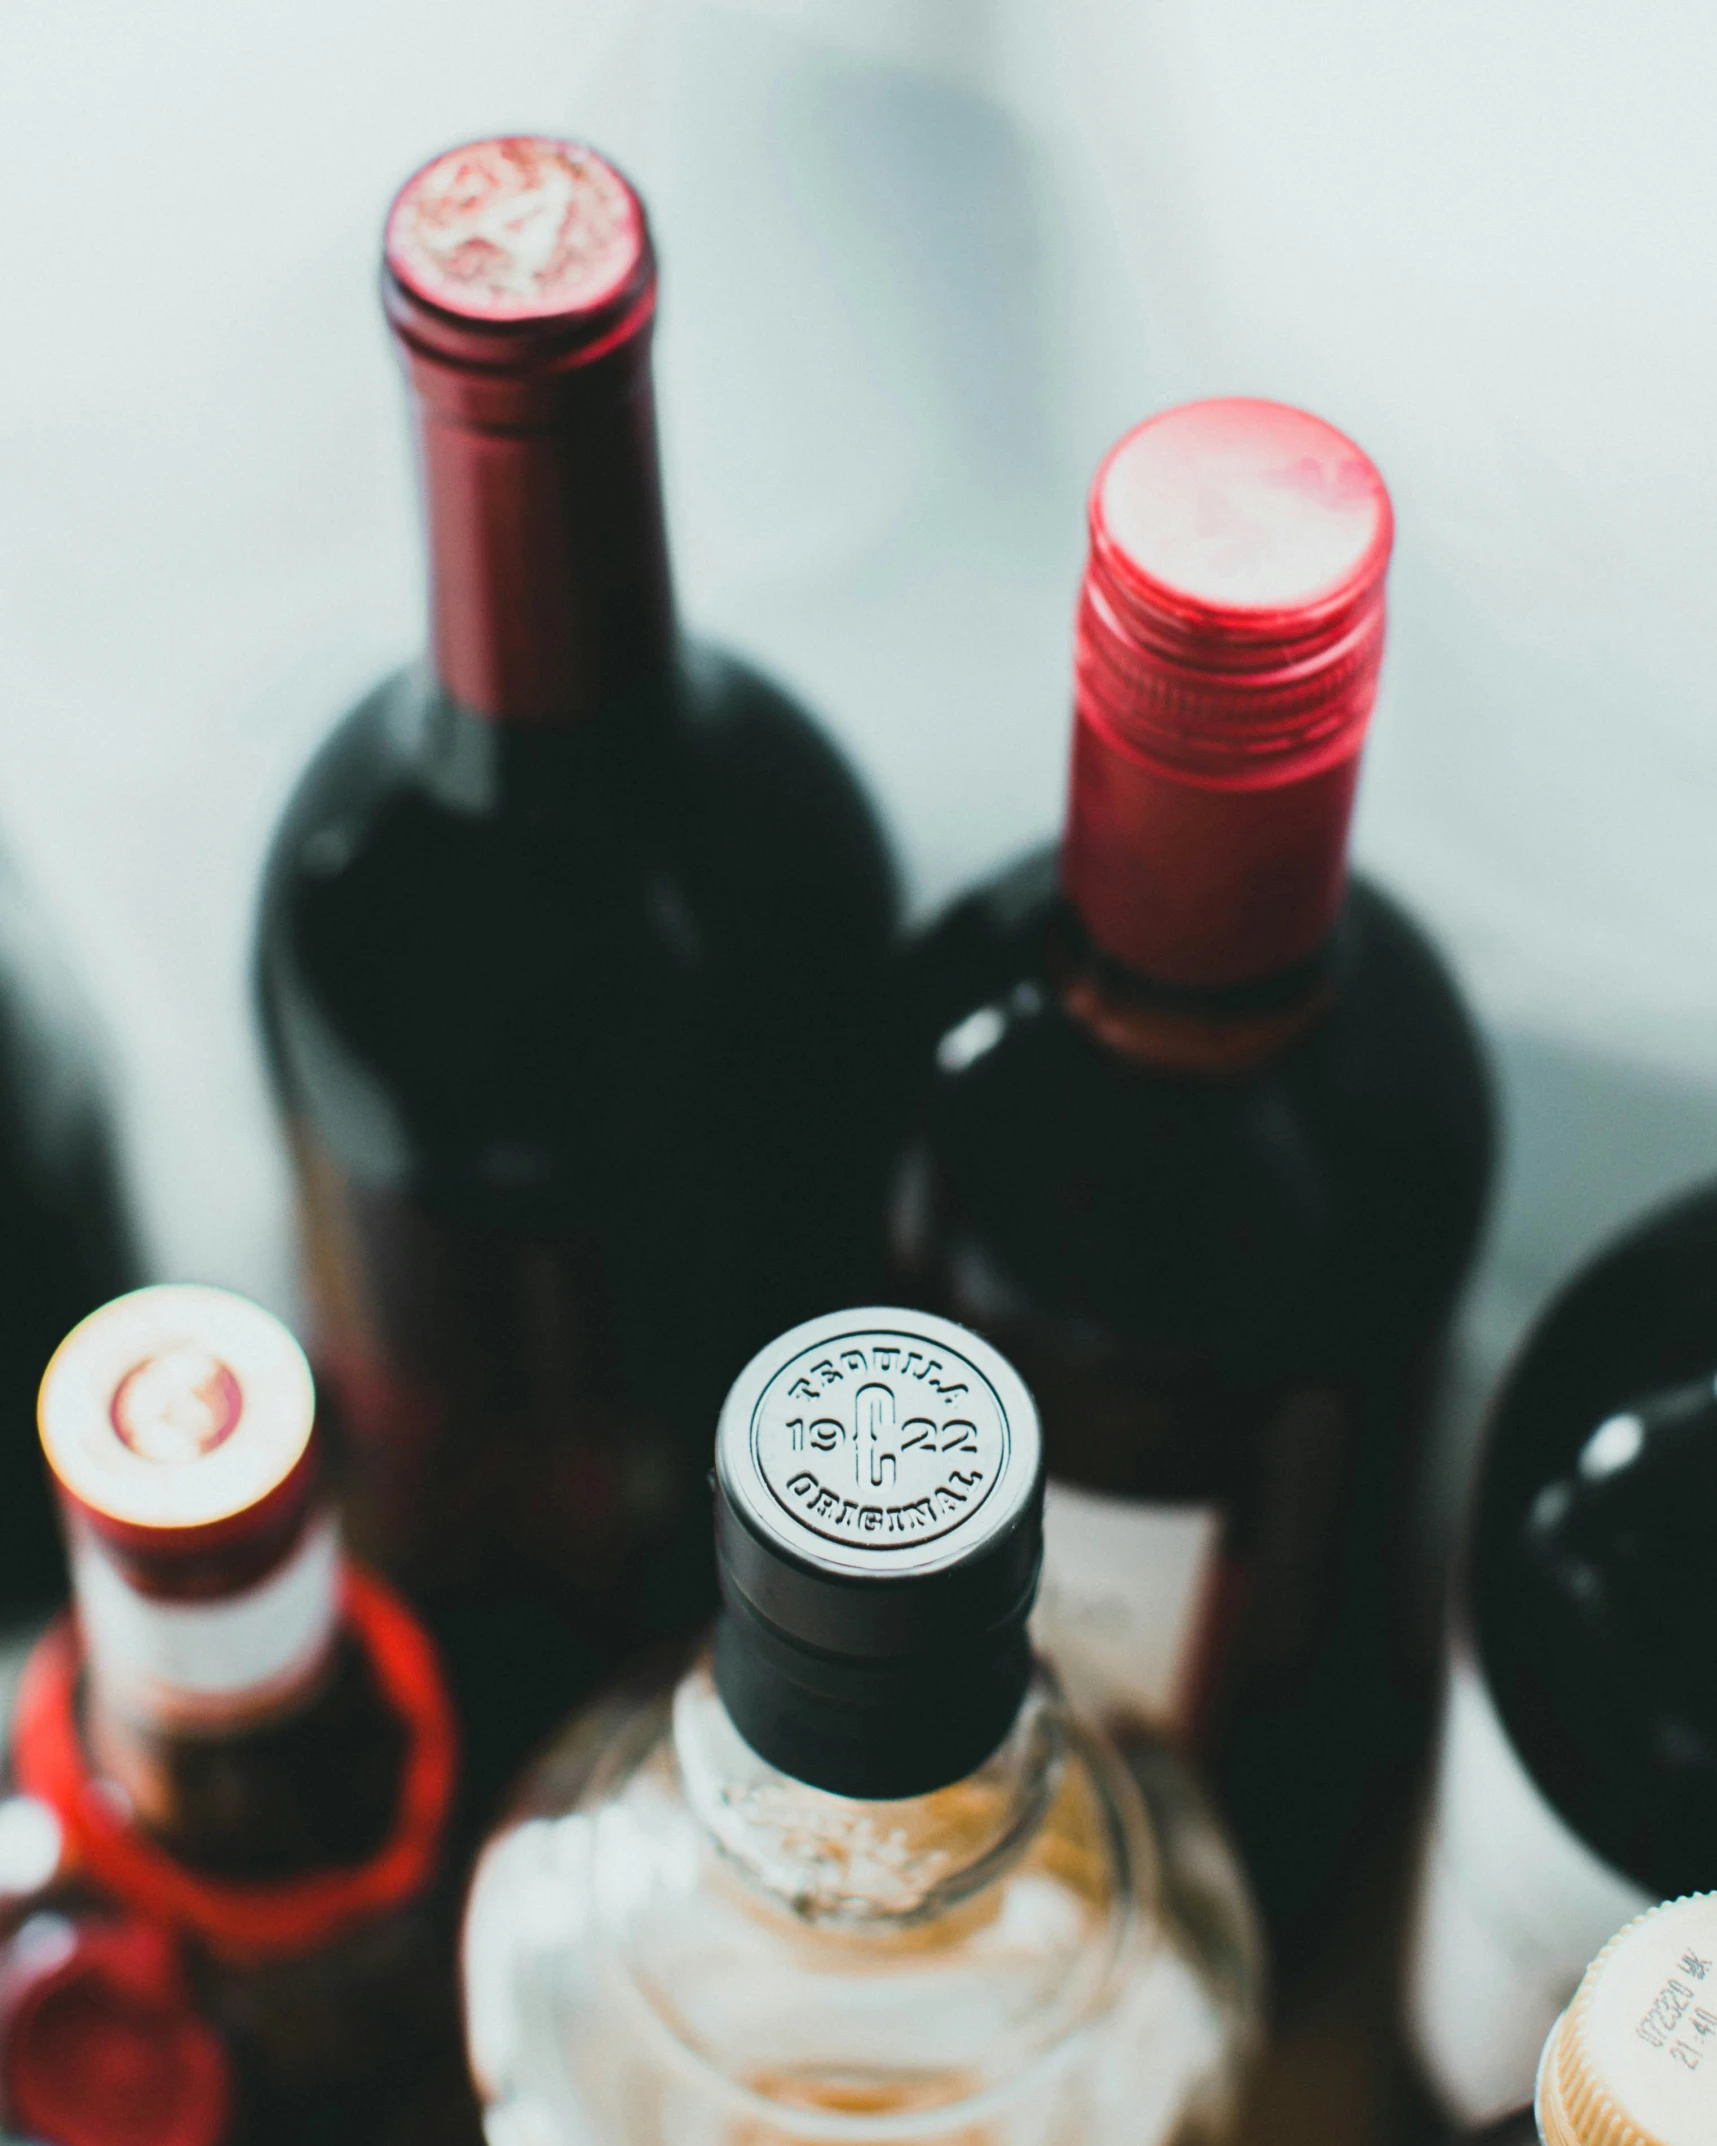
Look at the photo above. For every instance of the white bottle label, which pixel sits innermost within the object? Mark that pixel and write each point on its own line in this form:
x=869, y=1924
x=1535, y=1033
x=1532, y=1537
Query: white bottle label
x=175, y=1662
x=1512, y=1908
x=1124, y=1601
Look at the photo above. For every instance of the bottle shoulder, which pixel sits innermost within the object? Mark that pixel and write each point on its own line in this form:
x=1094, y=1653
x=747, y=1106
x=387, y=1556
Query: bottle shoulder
x=607, y=1925
x=714, y=776
x=1357, y=1160
x=775, y=821
x=451, y=911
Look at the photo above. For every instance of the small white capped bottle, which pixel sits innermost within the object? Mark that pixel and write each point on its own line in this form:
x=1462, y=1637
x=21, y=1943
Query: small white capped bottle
x=1633, y=2060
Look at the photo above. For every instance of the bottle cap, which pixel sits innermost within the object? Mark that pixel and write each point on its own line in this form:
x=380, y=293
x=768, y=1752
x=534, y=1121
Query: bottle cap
x=1229, y=634
x=515, y=254
x=1633, y=2060
x=179, y=1418
x=99, y=2042
x=878, y=1531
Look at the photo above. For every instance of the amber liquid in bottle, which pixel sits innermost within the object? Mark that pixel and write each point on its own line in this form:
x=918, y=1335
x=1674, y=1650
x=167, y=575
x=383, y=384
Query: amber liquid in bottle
x=568, y=963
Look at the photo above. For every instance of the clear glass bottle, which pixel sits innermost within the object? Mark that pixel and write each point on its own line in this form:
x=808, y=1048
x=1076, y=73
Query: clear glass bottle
x=860, y=1875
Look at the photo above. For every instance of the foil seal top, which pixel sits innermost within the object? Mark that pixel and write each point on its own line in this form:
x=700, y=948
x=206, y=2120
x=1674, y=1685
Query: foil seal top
x=176, y=1410
x=519, y=229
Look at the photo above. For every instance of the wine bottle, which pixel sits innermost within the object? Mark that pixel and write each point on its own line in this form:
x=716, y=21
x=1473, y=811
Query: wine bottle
x=66, y=1240
x=569, y=959
x=101, y=2041
x=860, y=1874
x=1203, y=1140
x=246, y=1740
x=1577, y=1776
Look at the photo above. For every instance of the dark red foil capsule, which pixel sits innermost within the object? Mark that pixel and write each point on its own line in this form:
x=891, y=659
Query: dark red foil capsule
x=519, y=278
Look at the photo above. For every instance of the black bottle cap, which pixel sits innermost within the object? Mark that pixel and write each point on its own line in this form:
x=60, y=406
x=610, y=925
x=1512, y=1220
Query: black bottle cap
x=879, y=1527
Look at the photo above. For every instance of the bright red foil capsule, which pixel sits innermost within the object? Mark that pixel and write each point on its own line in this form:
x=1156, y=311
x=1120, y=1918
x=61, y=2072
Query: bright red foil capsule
x=1229, y=635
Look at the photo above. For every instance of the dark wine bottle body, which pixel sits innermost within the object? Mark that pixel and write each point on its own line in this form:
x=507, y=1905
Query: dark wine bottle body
x=563, y=1020
x=1576, y=1783
x=1230, y=1291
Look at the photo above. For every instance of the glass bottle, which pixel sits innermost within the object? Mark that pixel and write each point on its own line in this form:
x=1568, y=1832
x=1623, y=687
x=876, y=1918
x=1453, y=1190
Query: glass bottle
x=66, y=1241
x=1634, y=2057
x=569, y=956
x=1577, y=1778
x=1203, y=1140
x=860, y=1874
x=101, y=2041
x=245, y=1739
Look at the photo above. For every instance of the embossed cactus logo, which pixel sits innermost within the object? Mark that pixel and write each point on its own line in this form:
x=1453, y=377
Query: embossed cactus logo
x=879, y=1440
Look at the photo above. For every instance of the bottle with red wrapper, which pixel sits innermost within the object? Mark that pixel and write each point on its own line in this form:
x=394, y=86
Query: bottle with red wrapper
x=1203, y=1139
x=569, y=962
x=245, y=1740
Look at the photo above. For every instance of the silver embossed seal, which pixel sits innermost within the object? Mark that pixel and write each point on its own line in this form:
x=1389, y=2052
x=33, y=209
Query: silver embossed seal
x=879, y=1442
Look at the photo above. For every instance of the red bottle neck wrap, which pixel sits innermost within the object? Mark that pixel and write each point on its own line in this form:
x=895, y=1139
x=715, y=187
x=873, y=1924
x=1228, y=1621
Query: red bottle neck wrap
x=235, y=1919
x=530, y=376
x=1217, y=741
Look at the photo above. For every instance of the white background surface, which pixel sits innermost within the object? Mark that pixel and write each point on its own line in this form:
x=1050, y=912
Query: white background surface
x=922, y=260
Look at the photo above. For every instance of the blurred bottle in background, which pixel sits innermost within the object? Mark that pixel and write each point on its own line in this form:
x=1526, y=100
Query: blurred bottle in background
x=861, y=1873
x=101, y=2040
x=244, y=1739
x=1204, y=1141
x=65, y=1236
x=569, y=963
x=1577, y=1781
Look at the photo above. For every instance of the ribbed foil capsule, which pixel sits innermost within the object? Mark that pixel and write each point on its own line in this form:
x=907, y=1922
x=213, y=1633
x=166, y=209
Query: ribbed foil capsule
x=1229, y=634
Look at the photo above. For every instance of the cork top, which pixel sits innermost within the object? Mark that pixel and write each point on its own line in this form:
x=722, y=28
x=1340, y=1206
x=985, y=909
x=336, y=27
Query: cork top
x=1633, y=2061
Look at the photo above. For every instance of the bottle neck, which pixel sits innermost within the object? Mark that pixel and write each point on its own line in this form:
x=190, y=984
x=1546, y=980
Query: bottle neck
x=1209, y=1033
x=550, y=600
x=1199, y=884
x=843, y=1859
x=200, y=1653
